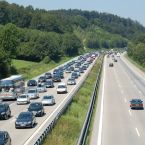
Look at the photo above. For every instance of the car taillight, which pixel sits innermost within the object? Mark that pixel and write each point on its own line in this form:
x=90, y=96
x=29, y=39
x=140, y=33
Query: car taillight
x=141, y=105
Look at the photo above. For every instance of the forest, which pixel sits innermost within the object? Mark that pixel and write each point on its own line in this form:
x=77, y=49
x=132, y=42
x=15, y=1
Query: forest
x=40, y=35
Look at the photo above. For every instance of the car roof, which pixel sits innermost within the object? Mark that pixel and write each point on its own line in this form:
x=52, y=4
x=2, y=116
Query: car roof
x=62, y=83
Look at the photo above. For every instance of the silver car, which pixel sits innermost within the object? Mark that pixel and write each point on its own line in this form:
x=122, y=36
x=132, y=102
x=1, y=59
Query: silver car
x=71, y=81
x=48, y=100
x=41, y=88
x=23, y=99
x=33, y=93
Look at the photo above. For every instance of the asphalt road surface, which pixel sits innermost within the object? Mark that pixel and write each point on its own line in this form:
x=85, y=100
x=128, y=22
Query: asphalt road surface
x=27, y=136
x=115, y=123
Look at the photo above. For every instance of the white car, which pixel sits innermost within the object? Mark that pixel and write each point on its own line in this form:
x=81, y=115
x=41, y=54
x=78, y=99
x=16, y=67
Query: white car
x=48, y=100
x=23, y=99
x=61, y=88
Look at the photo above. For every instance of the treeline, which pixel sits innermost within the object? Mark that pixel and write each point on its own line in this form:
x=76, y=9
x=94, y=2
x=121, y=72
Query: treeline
x=136, y=49
x=34, y=45
x=62, y=21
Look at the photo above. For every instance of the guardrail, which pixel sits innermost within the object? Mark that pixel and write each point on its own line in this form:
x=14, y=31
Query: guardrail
x=50, y=126
x=84, y=131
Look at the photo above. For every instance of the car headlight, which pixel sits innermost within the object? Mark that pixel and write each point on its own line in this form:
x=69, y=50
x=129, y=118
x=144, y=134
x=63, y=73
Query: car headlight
x=17, y=122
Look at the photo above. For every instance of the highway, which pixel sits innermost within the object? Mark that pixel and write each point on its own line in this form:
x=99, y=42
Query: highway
x=115, y=123
x=28, y=136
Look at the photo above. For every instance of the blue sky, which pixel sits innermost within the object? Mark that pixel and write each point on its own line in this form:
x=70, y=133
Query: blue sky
x=134, y=9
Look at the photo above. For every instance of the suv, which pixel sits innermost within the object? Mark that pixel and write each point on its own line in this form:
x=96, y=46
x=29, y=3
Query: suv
x=5, y=138
x=33, y=93
x=5, y=111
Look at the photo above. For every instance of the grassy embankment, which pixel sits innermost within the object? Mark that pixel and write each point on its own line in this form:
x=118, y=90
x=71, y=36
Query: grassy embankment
x=135, y=63
x=32, y=69
x=68, y=127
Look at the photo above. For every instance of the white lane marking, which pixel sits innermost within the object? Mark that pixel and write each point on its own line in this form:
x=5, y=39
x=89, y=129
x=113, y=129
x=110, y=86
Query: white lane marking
x=122, y=92
x=125, y=100
x=40, y=127
x=137, y=132
x=101, y=111
x=130, y=113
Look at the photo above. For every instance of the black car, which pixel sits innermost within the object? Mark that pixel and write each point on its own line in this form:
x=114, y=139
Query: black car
x=42, y=79
x=32, y=83
x=36, y=108
x=25, y=120
x=5, y=138
x=48, y=75
x=56, y=78
x=5, y=111
x=111, y=65
x=49, y=84
x=74, y=75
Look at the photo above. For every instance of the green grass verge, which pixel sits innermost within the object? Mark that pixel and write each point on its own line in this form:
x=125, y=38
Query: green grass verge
x=32, y=69
x=68, y=127
x=135, y=63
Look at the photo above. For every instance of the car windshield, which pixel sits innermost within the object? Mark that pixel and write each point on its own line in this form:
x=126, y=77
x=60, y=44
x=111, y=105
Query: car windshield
x=48, y=82
x=35, y=105
x=31, y=91
x=61, y=86
x=25, y=116
x=1, y=136
x=40, y=86
x=71, y=80
x=2, y=107
x=6, y=83
x=47, y=97
x=23, y=96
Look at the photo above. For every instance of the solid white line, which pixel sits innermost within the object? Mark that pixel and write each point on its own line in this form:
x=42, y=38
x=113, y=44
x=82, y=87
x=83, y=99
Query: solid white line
x=130, y=113
x=101, y=111
x=137, y=132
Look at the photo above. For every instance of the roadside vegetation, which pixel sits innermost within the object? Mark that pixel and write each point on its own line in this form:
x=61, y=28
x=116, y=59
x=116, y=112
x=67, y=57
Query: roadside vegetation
x=32, y=69
x=68, y=127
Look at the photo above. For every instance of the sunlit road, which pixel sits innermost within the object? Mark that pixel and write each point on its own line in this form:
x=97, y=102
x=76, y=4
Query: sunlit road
x=115, y=123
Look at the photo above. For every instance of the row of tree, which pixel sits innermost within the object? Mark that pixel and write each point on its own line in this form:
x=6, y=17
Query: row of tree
x=62, y=21
x=136, y=49
x=34, y=45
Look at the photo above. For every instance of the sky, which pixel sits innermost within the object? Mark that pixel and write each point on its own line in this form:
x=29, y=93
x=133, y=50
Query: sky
x=134, y=9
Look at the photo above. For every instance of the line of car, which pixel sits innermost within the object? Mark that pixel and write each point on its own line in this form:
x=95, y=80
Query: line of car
x=27, y=119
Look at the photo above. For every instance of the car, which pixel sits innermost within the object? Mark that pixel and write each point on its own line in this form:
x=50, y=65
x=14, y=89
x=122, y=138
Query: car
x=32, y=83
x=41, y=79
x=74, y=75
x=49, y=84
x=111, y=65
x=23, y=99
x=136, y=104
x=5, y=111
x=68, y=70
x=25, y=120
x=36, y=108
x=48, y=75
x=41, y=88
x=81, y=70
x=48, y=100
x=33, y=93
x=56, y=78
x=61, y=88
x=71, y=81
x=77, y=71
x=5, y=138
